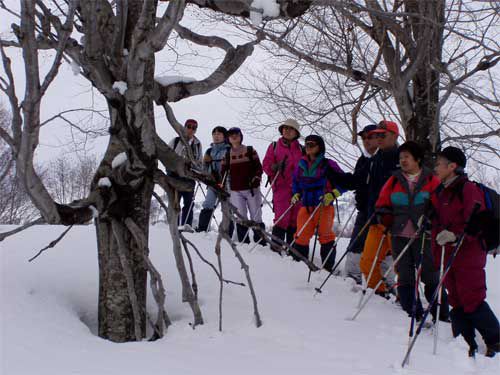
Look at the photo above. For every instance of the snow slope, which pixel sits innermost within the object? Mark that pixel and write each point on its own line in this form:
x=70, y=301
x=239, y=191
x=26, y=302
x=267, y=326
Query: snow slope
x=49, y=310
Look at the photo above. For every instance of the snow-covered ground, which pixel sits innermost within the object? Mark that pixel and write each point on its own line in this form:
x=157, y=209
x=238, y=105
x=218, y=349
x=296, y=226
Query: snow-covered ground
x=49, y=310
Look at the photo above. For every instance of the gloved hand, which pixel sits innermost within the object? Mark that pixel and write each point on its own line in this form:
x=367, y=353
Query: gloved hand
x=207, y=158
x=444, y=237
x=295, y=198
x=255, y=180
x=328, y=198
x=278, y=166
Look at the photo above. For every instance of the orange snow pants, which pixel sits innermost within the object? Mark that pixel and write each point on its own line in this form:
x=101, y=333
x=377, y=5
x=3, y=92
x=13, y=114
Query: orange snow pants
x=372, y=243
x=323, y=217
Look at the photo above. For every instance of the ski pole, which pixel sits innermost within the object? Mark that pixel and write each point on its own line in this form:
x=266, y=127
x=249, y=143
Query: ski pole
x=338, y=237
x=372, y=268
x=276, y=222
x=305, y=224
x=270, y=187
x=440, y=296
x=213, y=213
x=392, y=267
x=441, y=281
x=190, y=205
x=349, y=248
x=416, y=294
x=315, y=242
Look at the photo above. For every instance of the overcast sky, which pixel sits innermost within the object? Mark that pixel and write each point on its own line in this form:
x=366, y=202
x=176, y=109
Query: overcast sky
x=69, y=91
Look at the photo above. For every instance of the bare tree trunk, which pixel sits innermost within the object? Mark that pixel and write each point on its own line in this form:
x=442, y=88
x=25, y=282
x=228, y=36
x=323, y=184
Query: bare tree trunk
x=423, y=126
x=115, y=313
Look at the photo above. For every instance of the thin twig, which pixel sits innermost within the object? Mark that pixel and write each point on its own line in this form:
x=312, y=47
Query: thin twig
x=52, y=243
x=4, y=235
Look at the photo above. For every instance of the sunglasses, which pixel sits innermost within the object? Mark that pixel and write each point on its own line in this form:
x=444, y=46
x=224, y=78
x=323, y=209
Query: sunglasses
x=311, y=144
x=369, y=137
x=192, y=127
x=381, y=135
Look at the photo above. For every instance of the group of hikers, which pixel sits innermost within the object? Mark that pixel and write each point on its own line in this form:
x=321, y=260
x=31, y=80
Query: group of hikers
x=406, y=213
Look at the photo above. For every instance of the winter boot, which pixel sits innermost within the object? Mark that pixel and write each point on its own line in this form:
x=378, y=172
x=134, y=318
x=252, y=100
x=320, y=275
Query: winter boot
x=258, y=237
x=204, y=219
x=241, y=231
x=492, y=350
x=302, y=250
x=325, y=250
x=290, y=233
x=461, y=325
x=281, y=234
x=485, y=321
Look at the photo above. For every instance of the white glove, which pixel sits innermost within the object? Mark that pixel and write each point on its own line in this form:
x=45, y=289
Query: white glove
x=445, y=236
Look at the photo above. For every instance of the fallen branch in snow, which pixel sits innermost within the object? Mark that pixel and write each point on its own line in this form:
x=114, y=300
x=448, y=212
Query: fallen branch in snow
x=173, y=217
x=155, y=282
x=194, y=285
x=4, y=235
x=210, y=264
x=124, y=255
x=221, y=287
x=223, y=234
x=250, y=224
x=52, y=243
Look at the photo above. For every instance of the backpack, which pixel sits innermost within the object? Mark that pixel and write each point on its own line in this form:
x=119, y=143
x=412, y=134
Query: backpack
x=486, y=223
x=196, y=151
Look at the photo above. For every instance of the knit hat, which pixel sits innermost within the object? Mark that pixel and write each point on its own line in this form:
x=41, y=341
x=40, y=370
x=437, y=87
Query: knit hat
x=291, y=123
x=367, y=129
x=317, y=139
x=220, y=129
x=454, y=155
x=235, y=130
x=414, y=149
x=387, y=126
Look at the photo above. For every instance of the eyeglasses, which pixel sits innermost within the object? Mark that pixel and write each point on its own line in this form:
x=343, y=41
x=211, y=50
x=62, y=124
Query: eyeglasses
x=192, y=127
x=311, y=144
x=380, y=135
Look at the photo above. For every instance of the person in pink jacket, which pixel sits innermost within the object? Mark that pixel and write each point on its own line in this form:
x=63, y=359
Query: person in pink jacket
x=282, y=157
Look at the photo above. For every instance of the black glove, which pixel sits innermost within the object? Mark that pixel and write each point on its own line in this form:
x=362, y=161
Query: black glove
x=278, y=166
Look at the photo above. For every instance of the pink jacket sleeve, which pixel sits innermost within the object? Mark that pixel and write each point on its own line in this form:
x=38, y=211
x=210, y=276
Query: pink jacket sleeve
x=268, y=161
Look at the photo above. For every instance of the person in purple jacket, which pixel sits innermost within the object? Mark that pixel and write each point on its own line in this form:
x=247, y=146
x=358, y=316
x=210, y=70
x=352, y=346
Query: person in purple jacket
x=315, y=183
x=279, y=164
x=453, y=203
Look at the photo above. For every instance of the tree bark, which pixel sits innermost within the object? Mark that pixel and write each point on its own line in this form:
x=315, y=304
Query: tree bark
x=423, y=126
x=115, y=314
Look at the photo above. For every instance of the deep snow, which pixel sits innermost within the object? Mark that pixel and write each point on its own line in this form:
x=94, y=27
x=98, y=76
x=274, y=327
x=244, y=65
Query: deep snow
x=49, y=312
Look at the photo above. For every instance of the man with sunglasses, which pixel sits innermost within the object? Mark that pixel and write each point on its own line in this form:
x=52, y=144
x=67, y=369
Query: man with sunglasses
x=361, y=193
x=178, y=146
x=385, y=162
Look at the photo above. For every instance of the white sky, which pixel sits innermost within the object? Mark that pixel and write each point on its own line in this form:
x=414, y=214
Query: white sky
x=69, y=91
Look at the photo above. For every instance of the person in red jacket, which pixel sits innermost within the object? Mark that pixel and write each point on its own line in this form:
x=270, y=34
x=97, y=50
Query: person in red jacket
x=401, y=203
x=466, y=280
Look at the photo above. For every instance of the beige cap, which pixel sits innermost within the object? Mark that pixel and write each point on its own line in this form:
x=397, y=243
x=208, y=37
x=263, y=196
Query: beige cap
x=290, y=123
